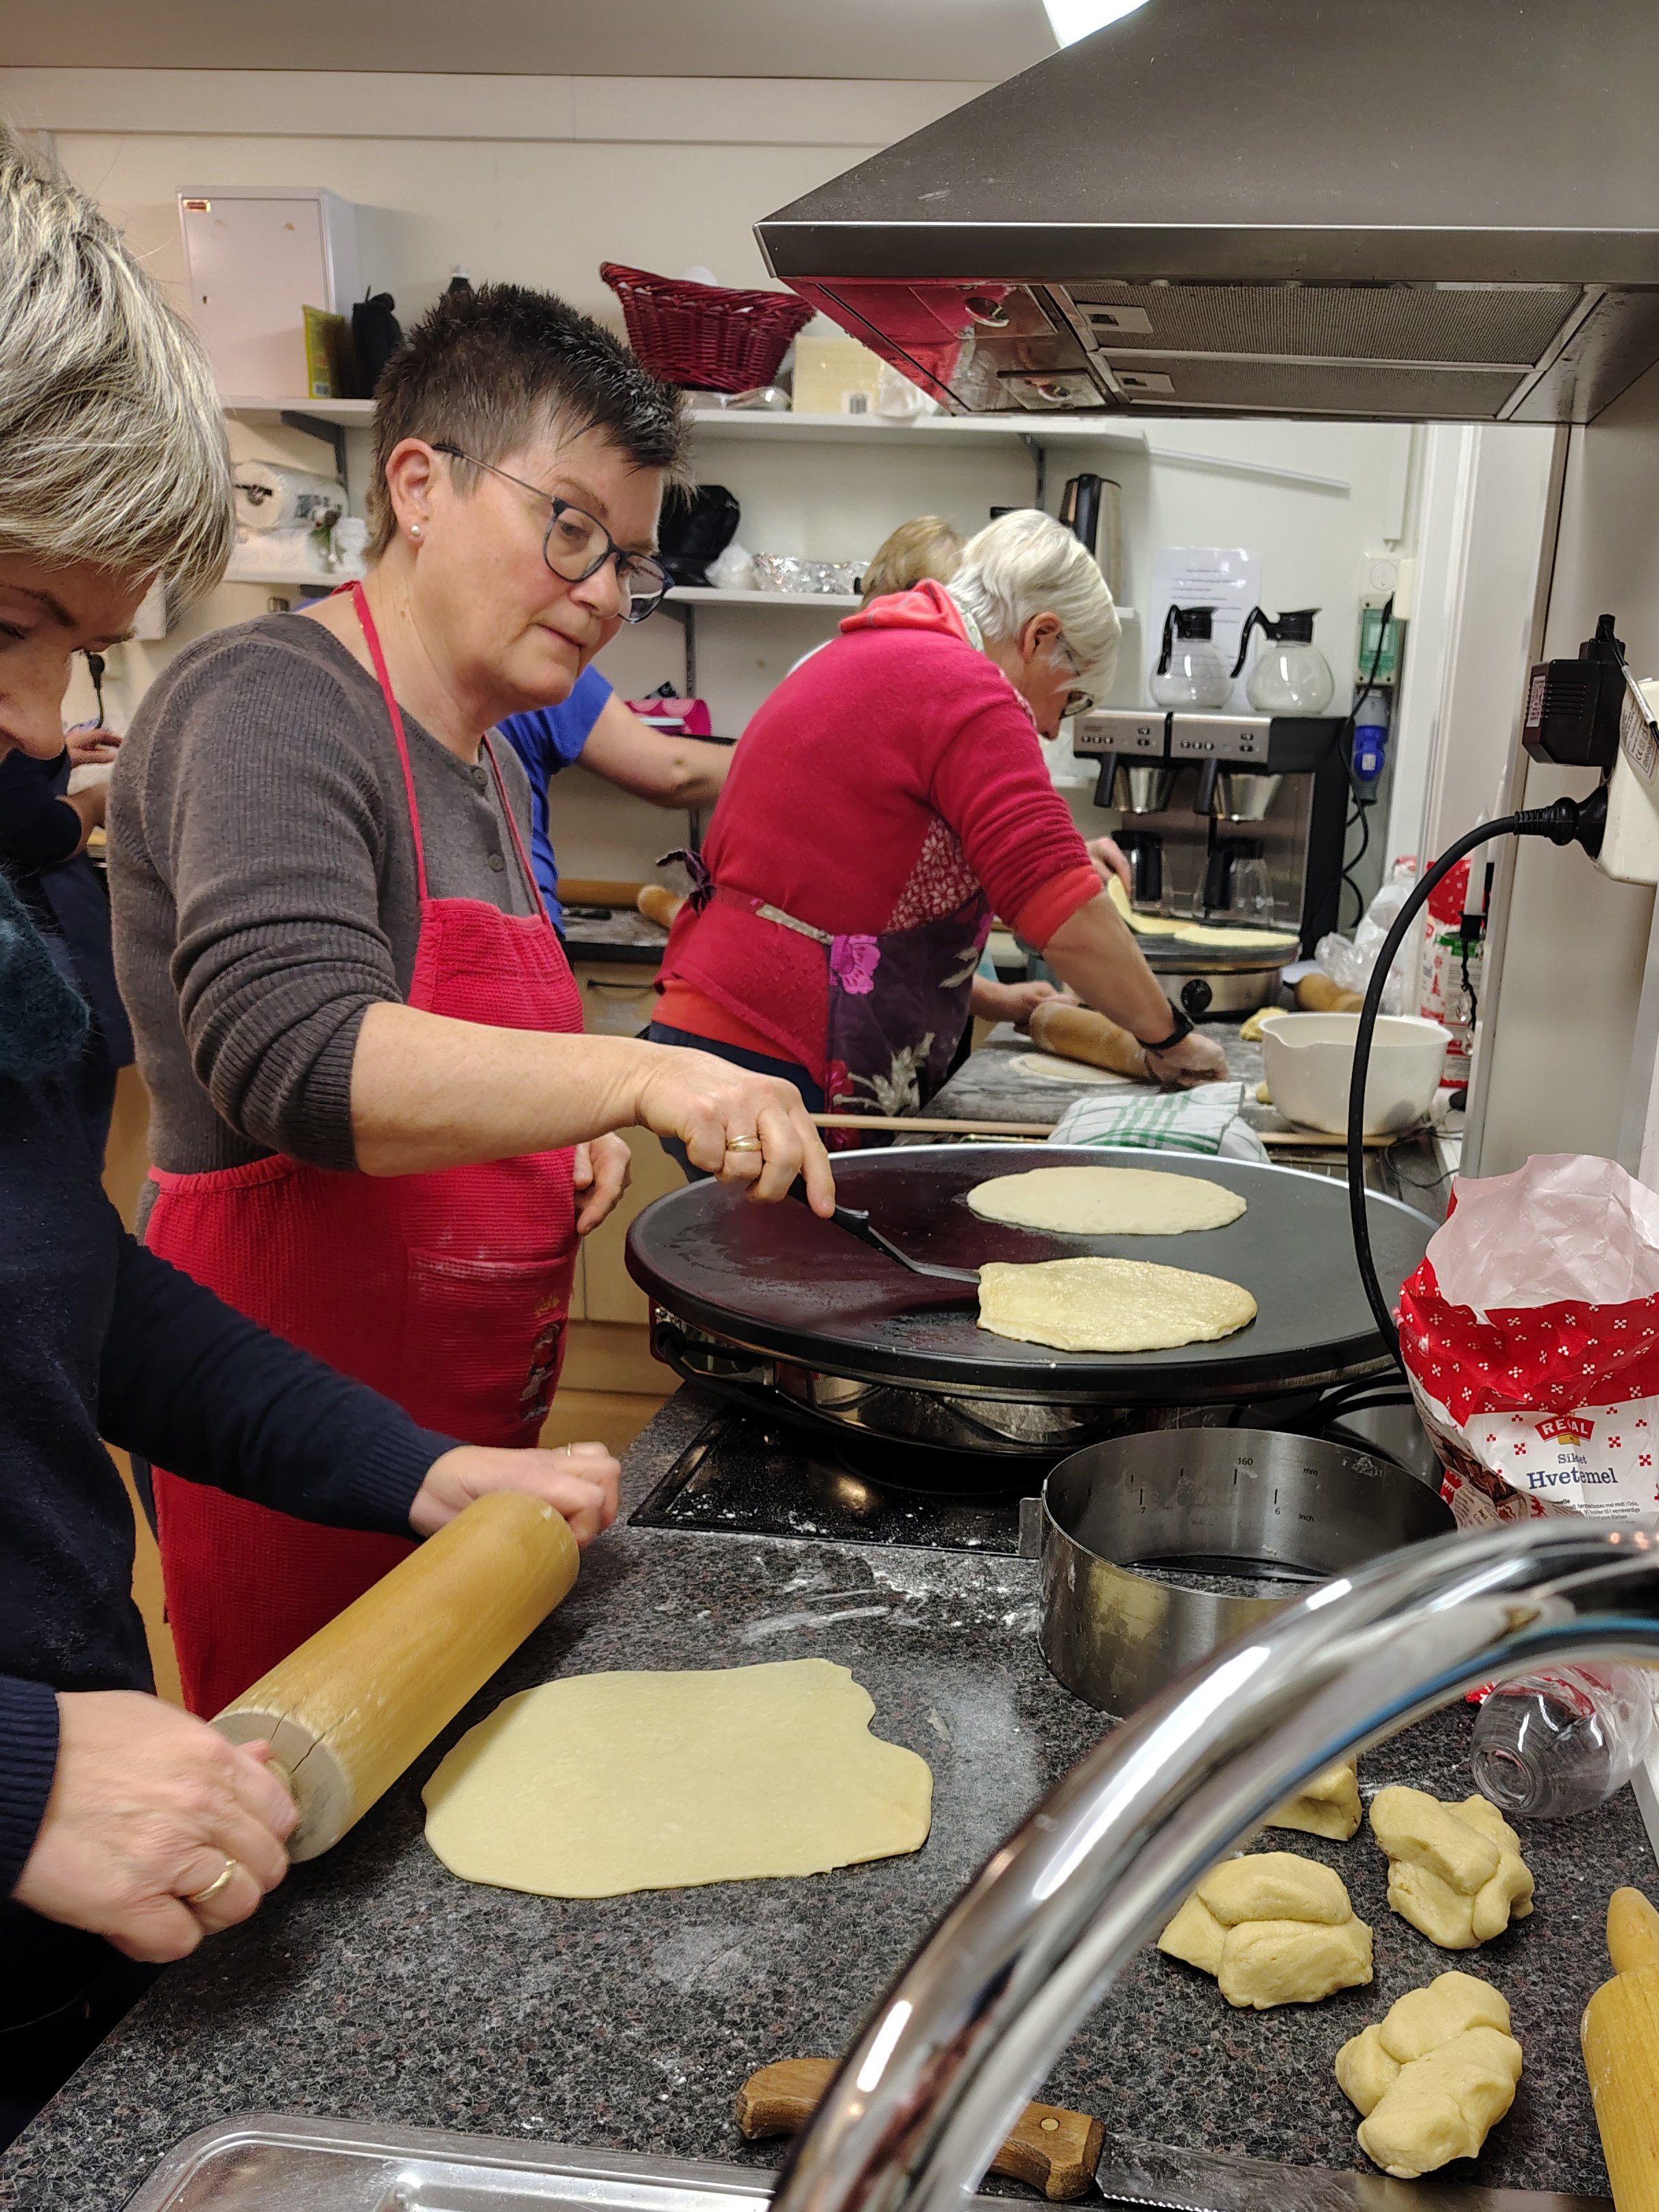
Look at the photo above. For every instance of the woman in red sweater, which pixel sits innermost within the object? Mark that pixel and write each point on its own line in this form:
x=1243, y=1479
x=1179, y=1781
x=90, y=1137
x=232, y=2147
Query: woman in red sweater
x=884, y=801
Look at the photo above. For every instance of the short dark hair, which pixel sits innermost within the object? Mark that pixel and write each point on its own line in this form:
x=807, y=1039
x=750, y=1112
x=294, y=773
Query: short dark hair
x=486, y=369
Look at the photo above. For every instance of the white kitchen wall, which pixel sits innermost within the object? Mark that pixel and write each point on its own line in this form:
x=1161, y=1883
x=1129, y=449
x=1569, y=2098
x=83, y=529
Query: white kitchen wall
x=438, y=184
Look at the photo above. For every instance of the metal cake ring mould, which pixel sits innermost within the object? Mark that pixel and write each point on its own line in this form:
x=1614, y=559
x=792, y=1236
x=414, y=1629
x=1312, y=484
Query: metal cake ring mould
x=1216, y=1505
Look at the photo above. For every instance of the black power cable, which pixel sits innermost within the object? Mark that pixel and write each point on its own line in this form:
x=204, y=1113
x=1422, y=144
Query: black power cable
x=1568, y=821
x=1361, y=814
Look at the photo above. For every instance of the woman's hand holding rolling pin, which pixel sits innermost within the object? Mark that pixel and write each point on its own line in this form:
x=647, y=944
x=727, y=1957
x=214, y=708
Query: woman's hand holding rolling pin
x=157, y=1832
x=578, y=1480
x=1195, y=1060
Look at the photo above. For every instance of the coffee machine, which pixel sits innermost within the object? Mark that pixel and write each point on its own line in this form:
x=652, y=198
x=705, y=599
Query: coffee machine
x=1203, y=795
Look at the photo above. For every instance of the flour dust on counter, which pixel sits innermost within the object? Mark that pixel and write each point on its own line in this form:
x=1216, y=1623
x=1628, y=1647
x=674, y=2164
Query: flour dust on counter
x=602, y=1783
x=373, y=1983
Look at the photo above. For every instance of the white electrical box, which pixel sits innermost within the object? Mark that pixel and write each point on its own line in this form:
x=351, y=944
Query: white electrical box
x=1630, y=846
x=256, y=256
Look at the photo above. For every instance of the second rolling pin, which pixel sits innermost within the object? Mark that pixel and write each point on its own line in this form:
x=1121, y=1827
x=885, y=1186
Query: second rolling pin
x=1080, y=1033
x=1620, y=2033
x=657, y=903
x=347, y=1712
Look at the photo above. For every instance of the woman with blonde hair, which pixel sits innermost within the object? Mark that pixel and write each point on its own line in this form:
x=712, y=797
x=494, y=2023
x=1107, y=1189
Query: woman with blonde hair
x=925, y=547
x=847, y=888
x=128, y=1829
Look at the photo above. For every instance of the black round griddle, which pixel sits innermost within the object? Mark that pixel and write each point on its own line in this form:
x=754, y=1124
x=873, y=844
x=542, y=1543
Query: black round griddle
x=776, y=1278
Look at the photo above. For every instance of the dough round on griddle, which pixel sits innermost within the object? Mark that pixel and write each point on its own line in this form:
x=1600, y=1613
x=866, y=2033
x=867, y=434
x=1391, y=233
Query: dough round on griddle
x=1222, y=939
x=597, y=1785
x=1106, y=1201
x=1091, y=1304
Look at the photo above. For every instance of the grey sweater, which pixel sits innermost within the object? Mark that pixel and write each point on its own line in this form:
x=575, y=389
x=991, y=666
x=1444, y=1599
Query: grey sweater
x=262, y=873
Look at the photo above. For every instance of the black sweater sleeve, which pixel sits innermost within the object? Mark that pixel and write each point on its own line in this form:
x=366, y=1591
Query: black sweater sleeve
x=189, y=1382
x=38, y=829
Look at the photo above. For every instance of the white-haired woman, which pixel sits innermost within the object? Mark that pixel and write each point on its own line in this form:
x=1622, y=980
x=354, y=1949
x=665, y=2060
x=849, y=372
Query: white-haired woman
x=885, y=800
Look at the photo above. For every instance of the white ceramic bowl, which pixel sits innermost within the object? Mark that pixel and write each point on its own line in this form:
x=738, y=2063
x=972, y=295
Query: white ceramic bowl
x=1308, y=1060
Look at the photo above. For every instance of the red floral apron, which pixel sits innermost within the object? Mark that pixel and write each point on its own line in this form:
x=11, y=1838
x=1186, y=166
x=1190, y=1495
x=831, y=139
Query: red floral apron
x=447, y=1291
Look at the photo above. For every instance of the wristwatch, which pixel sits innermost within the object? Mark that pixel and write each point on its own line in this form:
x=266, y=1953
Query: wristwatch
x=1182, y=1028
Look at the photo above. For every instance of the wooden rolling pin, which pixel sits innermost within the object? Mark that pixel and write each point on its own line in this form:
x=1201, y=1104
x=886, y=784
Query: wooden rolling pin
x=1620, y=2033
x=348, y=1711
x=657, y=903
x=1053, y=2150
x=1317, y=994
x=1080, y=1033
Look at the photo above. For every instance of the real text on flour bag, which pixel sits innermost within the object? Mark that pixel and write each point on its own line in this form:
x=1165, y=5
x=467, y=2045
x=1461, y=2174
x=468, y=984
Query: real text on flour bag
x=1530, y=1333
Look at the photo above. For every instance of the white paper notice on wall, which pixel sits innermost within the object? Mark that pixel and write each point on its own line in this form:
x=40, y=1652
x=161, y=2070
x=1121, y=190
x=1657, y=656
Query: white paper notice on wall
x=1225, y=577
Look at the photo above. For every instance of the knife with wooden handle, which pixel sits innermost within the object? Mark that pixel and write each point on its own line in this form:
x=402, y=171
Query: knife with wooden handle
x=1053, y=2150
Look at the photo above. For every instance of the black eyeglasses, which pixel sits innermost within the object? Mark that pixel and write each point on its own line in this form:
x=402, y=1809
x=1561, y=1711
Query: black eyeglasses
x=577, y=545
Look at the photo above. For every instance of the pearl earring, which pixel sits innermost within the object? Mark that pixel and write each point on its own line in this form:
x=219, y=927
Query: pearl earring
x=414, y=529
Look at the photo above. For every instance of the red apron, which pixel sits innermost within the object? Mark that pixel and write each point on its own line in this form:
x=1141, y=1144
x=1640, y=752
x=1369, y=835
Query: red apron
x=447, y=1291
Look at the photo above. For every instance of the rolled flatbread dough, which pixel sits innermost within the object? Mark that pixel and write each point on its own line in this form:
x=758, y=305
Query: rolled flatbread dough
x=1220, y=938
x=1144, y=924
x=1108, y=1305
x=1106, y=1201
x=601, y=1783
x=1049, y=1068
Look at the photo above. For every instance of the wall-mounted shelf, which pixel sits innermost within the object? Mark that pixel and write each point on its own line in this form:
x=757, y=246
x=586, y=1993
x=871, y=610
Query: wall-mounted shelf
x=709, y=595
x=286, y=581
x=349, y=414
x=925, y=430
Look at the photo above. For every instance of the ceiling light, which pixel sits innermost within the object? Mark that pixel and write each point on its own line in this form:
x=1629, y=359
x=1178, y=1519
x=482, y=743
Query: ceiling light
x=1073, y=19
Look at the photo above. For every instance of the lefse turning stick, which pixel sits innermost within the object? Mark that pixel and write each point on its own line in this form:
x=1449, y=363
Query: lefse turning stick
x=1620, y=2033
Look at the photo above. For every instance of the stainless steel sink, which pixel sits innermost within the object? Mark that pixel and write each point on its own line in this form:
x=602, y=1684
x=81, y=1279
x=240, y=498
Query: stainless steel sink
x=267, y=2162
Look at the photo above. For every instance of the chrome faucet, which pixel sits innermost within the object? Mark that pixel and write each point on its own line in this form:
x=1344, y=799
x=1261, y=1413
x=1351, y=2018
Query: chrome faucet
x=944, y=2063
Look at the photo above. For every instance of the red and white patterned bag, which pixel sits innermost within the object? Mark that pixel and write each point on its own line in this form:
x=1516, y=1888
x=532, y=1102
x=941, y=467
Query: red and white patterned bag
x=1531, y=1336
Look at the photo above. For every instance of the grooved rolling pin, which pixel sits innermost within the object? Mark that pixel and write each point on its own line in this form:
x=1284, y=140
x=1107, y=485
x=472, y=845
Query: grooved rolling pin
x=1053, y=2150
x=1620, y=2035
x=1080, y=1033
x=348, y=1711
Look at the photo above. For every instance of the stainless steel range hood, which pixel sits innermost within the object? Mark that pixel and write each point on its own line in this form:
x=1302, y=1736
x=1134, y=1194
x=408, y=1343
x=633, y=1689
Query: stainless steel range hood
x=1427, y=210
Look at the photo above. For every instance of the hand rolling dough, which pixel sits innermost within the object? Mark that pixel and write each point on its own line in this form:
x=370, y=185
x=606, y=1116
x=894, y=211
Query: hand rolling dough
x=1274, y=1929
x=1454, y=1871
x=1091, y=1304
x=1327, y=1805
x=601, y=1783
x=1432, y=2076
x=1106, y=1201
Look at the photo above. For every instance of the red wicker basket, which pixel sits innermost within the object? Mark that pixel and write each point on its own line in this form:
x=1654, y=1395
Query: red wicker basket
x=702, y=335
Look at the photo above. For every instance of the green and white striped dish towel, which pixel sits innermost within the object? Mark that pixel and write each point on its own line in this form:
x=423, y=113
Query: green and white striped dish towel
x=1207, y=1120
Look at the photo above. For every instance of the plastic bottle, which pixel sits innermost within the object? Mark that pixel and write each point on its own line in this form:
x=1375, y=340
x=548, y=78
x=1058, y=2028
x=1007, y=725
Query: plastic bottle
x=1452, y=950
x=1560, y=1742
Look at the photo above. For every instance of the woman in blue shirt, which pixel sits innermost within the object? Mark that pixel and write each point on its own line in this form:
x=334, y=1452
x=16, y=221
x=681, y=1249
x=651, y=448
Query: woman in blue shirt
x=594, y=728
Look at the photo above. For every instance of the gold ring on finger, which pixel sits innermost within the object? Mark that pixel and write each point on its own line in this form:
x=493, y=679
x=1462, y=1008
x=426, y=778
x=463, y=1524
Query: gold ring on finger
x=220, y=1882
x=744, y=1145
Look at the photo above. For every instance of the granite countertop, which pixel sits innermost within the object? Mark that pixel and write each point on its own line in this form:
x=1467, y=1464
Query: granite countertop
x=990, y=1085
x=375, y=1986
x=621, y=936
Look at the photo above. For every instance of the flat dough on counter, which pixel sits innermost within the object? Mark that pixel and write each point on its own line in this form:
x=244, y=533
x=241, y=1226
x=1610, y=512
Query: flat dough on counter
x=1092, y=1304
x=597, y=1784
x=1048, y=1067
x=1106, y=1201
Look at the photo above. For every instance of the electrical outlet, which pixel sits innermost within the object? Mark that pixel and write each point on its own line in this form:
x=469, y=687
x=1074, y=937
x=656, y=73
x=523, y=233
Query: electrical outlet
x=1388, y=575
x=1630, y=847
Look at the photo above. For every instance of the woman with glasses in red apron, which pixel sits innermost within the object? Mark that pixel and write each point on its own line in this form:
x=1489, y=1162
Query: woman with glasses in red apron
x=378, y=1128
